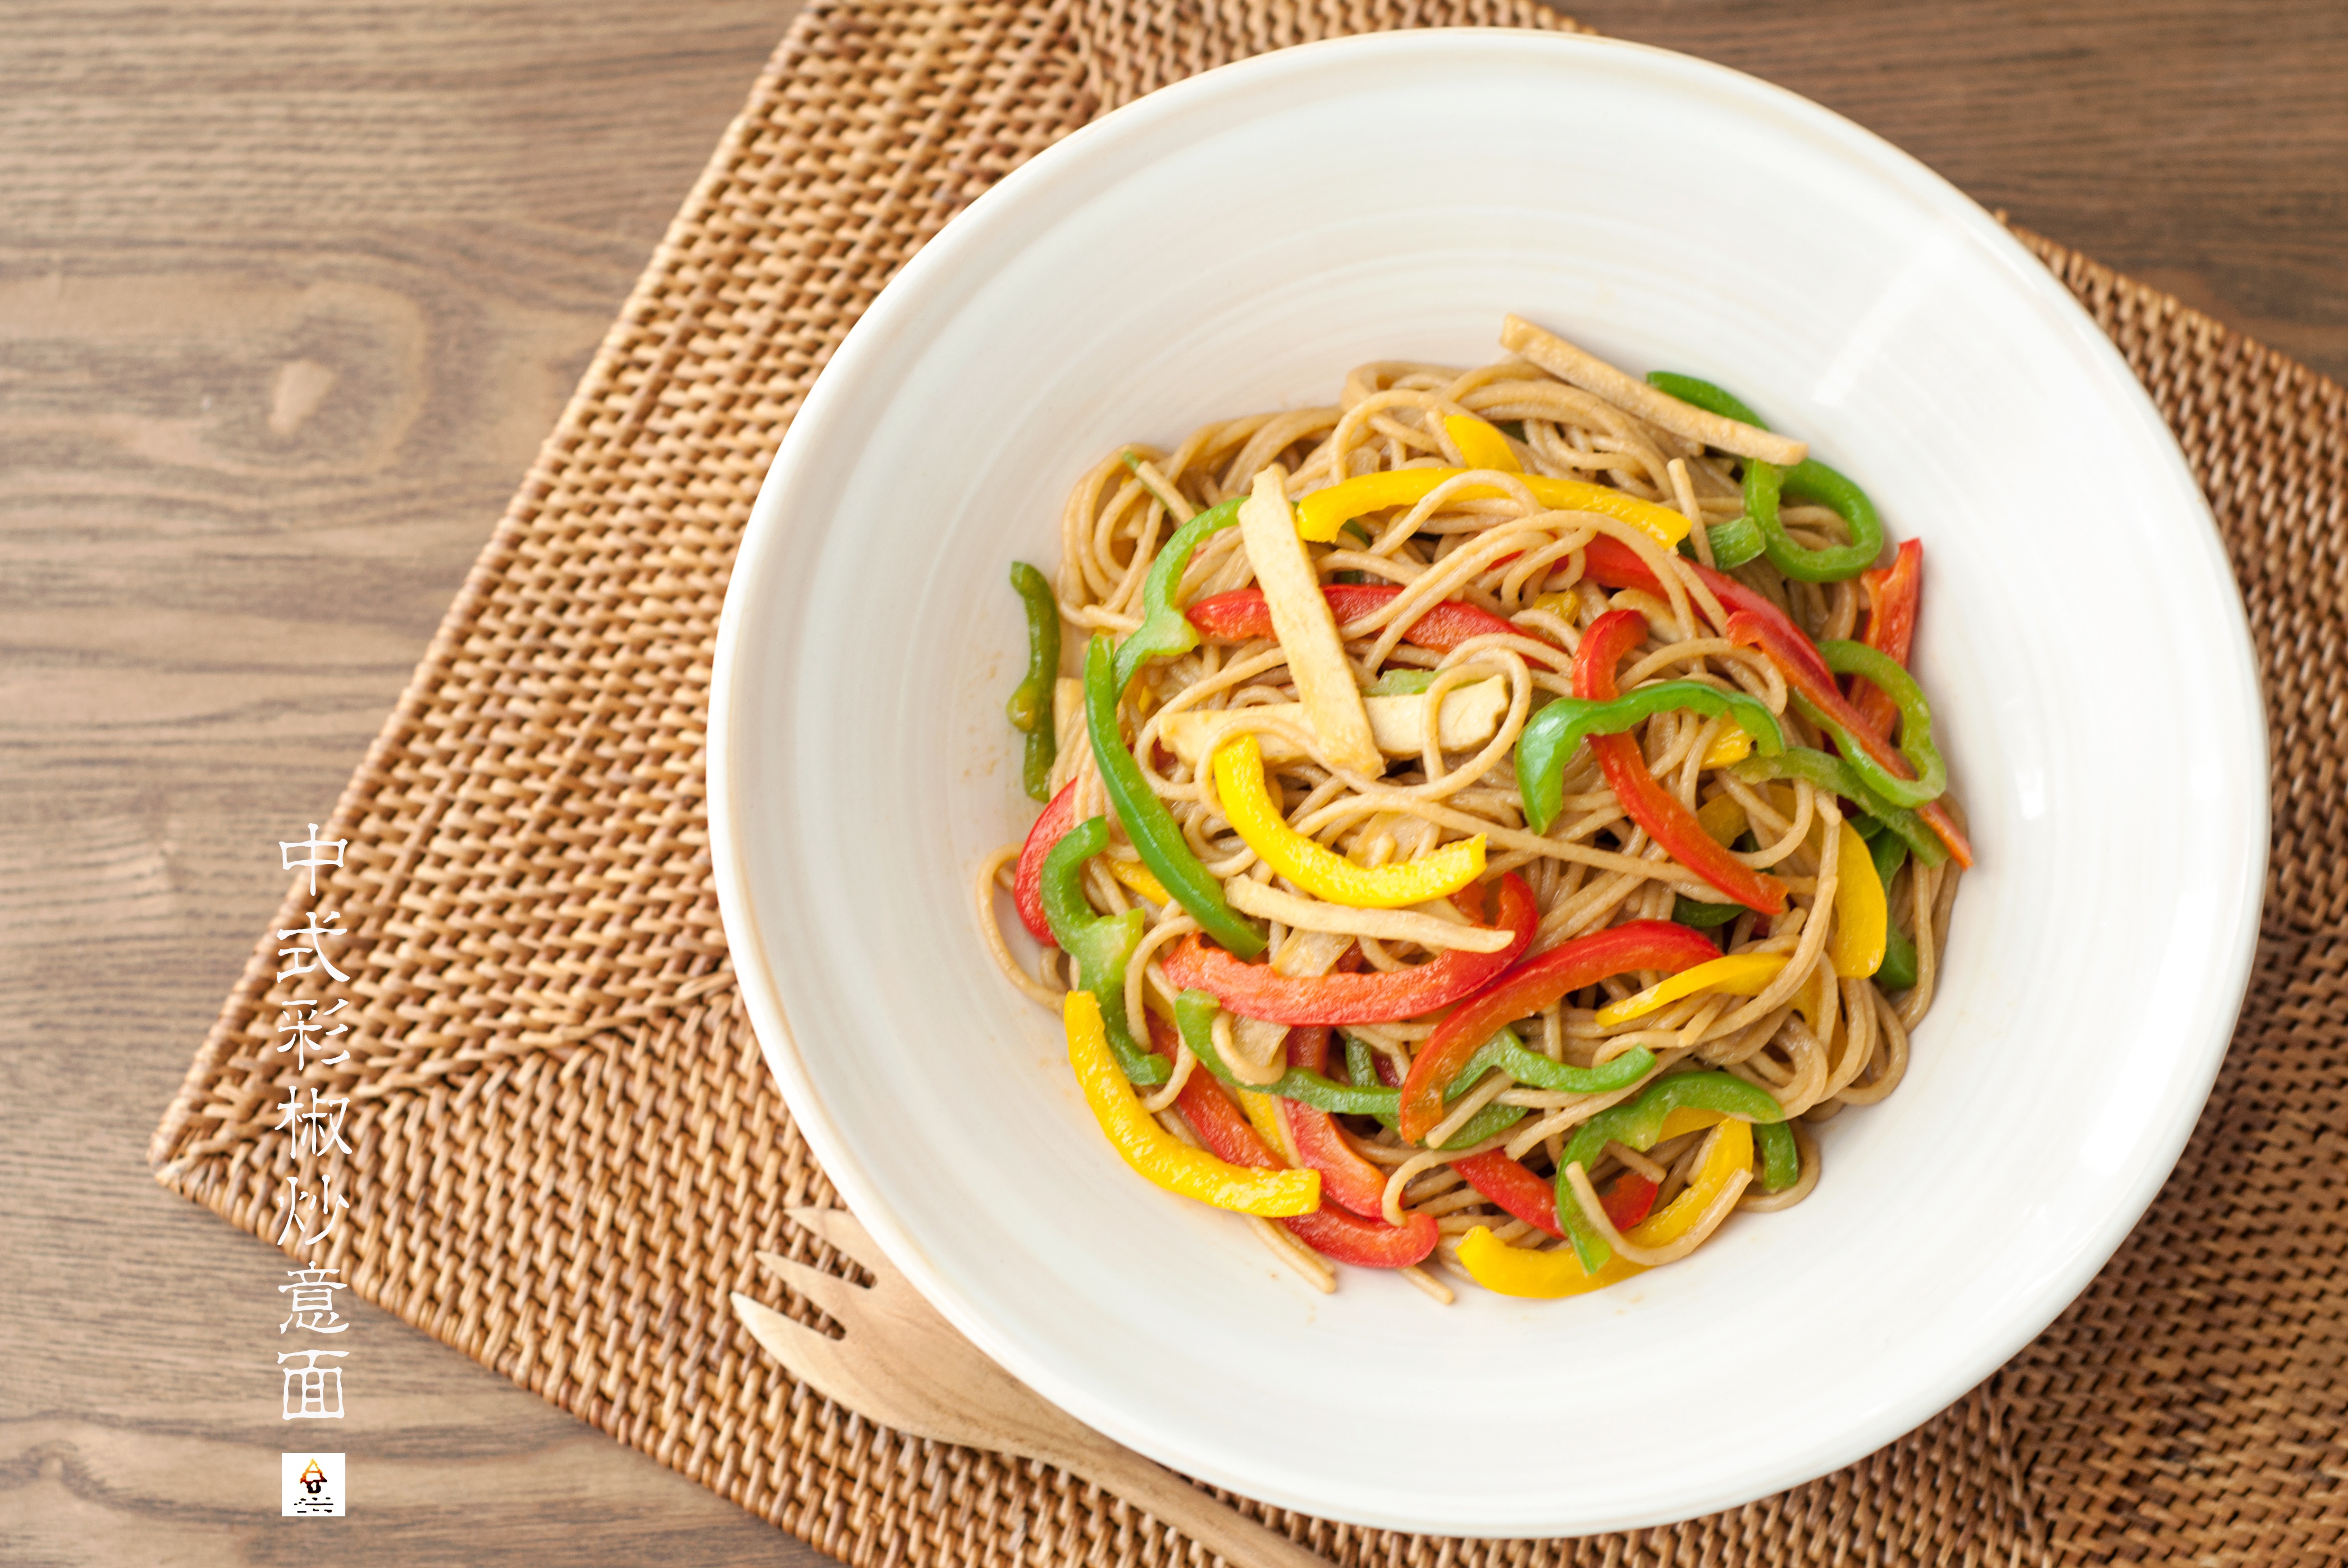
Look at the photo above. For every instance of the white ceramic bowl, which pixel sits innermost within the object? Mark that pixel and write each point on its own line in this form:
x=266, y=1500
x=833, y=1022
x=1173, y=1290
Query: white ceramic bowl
x=1235, y=244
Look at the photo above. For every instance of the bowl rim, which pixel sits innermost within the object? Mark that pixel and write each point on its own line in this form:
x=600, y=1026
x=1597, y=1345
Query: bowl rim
x=1000, y=209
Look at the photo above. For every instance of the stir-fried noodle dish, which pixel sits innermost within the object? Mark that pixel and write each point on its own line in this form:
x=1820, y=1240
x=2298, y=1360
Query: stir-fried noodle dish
x=1490, y=821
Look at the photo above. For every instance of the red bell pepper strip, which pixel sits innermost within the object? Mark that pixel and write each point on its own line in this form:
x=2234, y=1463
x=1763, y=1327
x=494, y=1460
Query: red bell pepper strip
x=1369, y=1242
x=1257, y=991
x=1630, y=1200
x=1241, y=614
x=1526, y=989
x=1893, y=592
x=1027, y=882
x=1506, y=1181
x=1610, y=563
x=1321, y=1144
x=1819, y=690
x=1533, y=1199
x=1651, y=805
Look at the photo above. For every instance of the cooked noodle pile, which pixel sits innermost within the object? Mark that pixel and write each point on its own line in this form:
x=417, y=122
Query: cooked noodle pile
x=1815, y=1029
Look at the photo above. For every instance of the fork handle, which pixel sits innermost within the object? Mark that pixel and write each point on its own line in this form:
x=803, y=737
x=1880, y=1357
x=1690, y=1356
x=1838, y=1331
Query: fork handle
x=1238, y=1539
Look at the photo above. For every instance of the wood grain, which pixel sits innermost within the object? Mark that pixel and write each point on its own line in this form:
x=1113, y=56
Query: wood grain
x=288, y=296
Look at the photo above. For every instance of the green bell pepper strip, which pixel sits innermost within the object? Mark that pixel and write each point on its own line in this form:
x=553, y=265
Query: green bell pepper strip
x=1152, y=827
x=1704, y=916
x=1363, y=1097
x=1889, y=852
x=1030, y=707
x=1781, y=1157
x=1637, y=1124
x=1361, y=1067
x=1811, y=480
x=1832, y=773
x=1551, y=735
x=1101, y=944
x=1164, y=631
x=1737, y=541
x=1512, y=1056
x=1732, y=543
x=1400, y=683
x=1808, y=481
x=1884, y=672
x=1194, y=1015
x=1897, y=970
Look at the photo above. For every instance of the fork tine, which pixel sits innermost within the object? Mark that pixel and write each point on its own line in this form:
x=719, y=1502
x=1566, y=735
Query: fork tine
x=834, y=1294
x=810, y=1357
x=820, y=1364
x=847, y=1232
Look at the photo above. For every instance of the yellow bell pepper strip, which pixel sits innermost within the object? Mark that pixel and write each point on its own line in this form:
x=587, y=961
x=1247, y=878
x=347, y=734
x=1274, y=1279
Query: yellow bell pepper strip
x=1721, y=817
x=1731, y=1150
x=1248, y=804
x=1320, y=515
x=1136, y=875
x=1738, y=974
x=1155, y=836
x=1481, y=445
x=1860, y=914
x=1536, y=1275
x=1781, y=1158
x=1102, y=946
x=1030, y=707
x=1157, y=1154
x=1733, y=744
x=1164, y=631
x=1642, y=1123
x=1331, y=1229
x=1262, y=1116
x=1551, y=737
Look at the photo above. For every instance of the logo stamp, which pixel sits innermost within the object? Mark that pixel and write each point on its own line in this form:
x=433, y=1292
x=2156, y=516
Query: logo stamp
x=312, y=1486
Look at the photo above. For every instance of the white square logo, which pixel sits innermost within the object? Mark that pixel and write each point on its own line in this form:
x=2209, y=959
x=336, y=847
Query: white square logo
x=313, y=1485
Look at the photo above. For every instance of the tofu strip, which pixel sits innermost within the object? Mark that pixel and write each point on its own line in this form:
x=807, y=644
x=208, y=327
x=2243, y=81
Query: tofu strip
x=1592, y=375
x=1259, y=1043
x=1306, y=630
x=1252, y=897
x=1471, y=714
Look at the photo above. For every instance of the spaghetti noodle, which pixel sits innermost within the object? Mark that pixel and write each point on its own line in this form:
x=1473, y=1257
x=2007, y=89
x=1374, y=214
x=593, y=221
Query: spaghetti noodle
x=1518, y=817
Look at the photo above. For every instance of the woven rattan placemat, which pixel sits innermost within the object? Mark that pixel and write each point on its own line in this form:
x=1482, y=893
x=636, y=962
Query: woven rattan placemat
x=566, y=1148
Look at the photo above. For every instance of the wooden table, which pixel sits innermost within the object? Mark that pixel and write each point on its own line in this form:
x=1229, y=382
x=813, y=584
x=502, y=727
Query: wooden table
x=288, y=296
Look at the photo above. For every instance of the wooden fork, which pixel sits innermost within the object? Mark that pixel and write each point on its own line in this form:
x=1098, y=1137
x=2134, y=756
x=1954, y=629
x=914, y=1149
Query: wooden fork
x=902, y=1365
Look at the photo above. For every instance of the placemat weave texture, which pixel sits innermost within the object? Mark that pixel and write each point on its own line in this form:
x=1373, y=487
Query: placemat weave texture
x=566, y=1148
